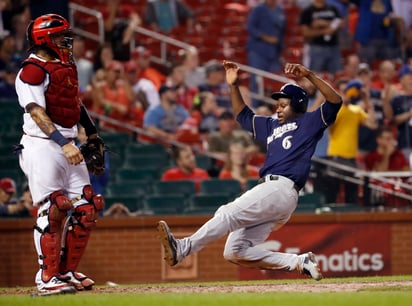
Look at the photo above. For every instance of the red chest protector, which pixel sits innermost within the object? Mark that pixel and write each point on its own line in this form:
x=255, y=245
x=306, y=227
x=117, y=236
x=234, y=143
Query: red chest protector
x=62, y=94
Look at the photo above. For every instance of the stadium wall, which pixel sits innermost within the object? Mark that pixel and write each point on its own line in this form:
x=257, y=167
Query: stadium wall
x=126, y=250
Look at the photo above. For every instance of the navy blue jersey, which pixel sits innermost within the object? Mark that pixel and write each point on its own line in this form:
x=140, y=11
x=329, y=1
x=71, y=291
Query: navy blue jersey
x=290, y=146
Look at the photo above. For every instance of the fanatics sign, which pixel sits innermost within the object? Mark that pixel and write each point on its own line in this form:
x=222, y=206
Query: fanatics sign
x=342, y=250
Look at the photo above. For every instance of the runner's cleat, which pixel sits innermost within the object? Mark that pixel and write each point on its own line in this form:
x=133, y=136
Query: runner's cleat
x=310, y=266
x=169, y=243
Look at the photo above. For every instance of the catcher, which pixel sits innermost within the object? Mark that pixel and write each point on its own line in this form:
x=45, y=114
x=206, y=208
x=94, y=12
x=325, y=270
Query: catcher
x=55, y=167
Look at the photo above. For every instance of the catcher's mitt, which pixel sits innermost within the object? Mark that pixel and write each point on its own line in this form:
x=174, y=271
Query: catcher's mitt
x=93, y=154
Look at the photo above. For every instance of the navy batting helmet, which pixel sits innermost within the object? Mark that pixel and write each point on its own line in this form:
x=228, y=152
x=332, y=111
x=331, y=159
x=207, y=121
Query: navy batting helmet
x=296, y=94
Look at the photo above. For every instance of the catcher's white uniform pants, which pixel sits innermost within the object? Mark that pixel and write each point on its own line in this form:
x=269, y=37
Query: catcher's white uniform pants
x=249, y=219
x=47, y=169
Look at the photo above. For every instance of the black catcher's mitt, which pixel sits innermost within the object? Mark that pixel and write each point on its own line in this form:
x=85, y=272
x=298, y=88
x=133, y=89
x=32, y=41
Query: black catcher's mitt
x=93, y=154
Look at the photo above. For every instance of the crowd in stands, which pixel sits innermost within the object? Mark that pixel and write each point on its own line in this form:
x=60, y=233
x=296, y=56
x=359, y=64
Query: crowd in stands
x=363, y=47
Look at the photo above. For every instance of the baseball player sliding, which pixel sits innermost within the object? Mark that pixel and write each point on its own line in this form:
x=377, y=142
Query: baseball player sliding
x=291, y=140
x=57, y=174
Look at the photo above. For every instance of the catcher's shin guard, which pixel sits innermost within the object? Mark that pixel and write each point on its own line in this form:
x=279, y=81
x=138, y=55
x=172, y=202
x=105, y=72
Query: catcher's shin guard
x=47, y=234
x=76, y=236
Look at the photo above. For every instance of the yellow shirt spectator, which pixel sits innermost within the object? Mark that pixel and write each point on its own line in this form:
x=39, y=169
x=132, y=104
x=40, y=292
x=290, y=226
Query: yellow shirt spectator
x=343, y=134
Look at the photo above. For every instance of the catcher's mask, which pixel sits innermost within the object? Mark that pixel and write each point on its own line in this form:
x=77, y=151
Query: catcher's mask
x=296, y=94
x=53, y=32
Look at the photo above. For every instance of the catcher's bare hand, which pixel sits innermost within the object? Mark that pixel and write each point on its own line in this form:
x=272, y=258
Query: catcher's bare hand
x=296, y=70
x=232, y=69
x=72, y=153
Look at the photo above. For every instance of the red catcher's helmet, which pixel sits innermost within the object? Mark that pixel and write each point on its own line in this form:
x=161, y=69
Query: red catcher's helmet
x=43, y=32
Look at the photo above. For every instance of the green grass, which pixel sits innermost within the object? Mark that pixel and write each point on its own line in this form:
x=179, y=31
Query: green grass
x=389, y=294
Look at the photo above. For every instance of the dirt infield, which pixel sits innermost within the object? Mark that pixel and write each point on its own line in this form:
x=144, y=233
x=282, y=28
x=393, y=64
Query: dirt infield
x=310, y=286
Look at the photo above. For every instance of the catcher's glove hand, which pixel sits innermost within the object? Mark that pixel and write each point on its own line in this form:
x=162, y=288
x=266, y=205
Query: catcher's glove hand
x=93, y=154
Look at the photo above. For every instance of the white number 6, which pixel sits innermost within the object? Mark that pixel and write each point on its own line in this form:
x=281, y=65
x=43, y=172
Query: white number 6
x=286, y=143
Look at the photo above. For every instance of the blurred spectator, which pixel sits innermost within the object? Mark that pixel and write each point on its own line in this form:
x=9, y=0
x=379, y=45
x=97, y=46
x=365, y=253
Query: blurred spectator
x=27, y=201
x=120, y=20
x=386, y=157
x=194, y=73
x=320, y=23
x=376, y=31
x=402, y=111
x=343, y=139
x=350, y=67
x=8, y=10
x=118, y=210
x=407, y=46
x=103, y=55
x=146, y=92
x=8, y=54
x=115, y=97
x=236, y=165
x=164, y=120
x=371, y=101
x=386, y=79
x=92, y=94
x=216, y=83
x=206, y=112
x=9, y=206
x=7, y=87
x=83, y=64
x=186, y=168
x=218, y=142
x=176, y=78
x=403, y=8
x=98, y=182
x=141, y=55
x=20, y=23
x=266, y=26
x=165, y=15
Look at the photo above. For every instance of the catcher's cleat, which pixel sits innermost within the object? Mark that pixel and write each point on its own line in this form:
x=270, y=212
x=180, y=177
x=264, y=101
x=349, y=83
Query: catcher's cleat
x=169, y=243
x=64, y=290
x=54, y=286
x=80, y=281
x=310, y=266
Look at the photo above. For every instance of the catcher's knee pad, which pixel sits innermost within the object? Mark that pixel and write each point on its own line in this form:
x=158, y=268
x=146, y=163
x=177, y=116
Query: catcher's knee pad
x=48, y=234
x=77, y=230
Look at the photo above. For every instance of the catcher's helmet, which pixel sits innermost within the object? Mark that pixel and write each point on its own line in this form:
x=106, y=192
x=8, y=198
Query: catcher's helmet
x=296, y=94
x=43, y=30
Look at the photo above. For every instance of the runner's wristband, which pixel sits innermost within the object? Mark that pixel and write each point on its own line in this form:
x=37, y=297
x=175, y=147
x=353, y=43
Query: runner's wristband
x=58, y=138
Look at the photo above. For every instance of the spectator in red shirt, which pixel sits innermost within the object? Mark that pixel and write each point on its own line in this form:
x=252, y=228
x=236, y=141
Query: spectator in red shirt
x=186, y=168
x=387, y=156
x=236, y=166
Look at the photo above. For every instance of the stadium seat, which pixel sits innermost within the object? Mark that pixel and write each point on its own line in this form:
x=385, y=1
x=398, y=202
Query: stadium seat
x=9, y=162
x=152, y=149
x=229, y=187
x=149, y=175
x=251, y=183
x=206, y=203
x=134, y=188
x=184, y=187
x=165, y=204
x=204, y=162
x=147, y=162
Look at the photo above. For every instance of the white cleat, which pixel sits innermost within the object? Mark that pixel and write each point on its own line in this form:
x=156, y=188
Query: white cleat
x=56, y=285
x=310, y=266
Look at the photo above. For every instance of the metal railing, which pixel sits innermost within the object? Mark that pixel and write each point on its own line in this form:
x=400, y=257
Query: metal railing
x=73, y=9
x=371, y=180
